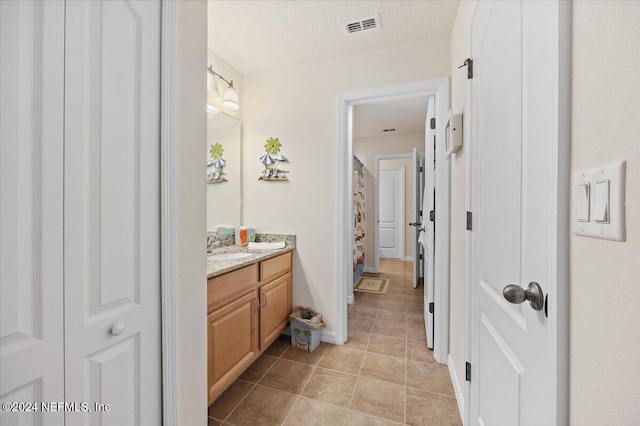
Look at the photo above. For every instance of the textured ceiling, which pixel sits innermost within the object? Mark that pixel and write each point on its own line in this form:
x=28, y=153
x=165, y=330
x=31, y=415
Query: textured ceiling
x=407, y=116
x=254, y=36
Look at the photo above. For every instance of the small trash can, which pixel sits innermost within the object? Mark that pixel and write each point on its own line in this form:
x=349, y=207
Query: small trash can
x=306, y=327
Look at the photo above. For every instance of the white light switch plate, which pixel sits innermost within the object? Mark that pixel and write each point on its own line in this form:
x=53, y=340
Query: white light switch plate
x=610, y=208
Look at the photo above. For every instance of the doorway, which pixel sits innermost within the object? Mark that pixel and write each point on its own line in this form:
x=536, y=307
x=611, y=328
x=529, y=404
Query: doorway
x=439, y=89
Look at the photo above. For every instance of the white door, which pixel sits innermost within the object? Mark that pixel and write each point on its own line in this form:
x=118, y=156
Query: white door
x=517, y=157
x=391, y=213
x=429, y=200
x=31, y=150
x=112, y=210
x=418, y=189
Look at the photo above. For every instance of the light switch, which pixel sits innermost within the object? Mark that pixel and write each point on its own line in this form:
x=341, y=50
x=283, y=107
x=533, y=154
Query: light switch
x=601, y=201
x=582, y=202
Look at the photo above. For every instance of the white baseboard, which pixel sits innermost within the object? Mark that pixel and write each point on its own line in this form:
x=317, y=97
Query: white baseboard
x=456, y=386
x=350, y=299
x=408, y=259
x=328, y=337
x=371, y=269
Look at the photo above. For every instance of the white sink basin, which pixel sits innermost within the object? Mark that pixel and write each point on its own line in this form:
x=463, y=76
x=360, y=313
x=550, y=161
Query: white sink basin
x=230, y=256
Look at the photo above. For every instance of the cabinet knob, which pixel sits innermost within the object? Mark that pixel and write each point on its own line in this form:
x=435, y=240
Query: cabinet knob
x=265, y=301
x=257, y=305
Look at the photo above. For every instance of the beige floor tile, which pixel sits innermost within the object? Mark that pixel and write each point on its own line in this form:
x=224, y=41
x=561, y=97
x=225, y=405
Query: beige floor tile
x=383, y=367
x=393, y=306
x=415, y=319
x=355, y=418
x=388, y=328
x=429, y=377
x=358, y=340
x=224, y=405
x=399, y=317
x=366, y=312
x=288, y=376
x=396, y=296
x=263, y=407
x=380, y=399
x=424, y=408
x=278, y=347
x=416, y=298
x=387, y=345
x=309, y=412
x=365, y=299
x=258, y=368
x=330, y=386
x=360, y=324
x=418, y=351
x=416, y=308
x=342, y=359
x=416, y=332
x=311, y=358
x=213, y=422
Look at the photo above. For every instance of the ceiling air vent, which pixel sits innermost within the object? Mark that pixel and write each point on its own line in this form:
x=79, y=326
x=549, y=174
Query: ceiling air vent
x=363, y=24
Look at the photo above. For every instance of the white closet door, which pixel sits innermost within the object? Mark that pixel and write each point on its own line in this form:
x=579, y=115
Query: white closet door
x=31, y=149
x=112, y=211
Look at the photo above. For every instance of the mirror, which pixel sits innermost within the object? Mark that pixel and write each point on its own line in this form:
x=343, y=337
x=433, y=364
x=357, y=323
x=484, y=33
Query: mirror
x=223, y=170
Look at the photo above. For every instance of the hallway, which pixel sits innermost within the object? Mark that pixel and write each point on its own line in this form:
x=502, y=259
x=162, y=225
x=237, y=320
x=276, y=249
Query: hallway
x=384, y=374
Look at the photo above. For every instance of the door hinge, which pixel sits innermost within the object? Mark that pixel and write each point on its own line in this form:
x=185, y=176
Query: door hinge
x=433, y=123
x=431, y=306
x=432, y=216
x=420, y=213
x=469, y=64
x=467, y=375
x=421, y=170
x=469, y=221
x=420, y=256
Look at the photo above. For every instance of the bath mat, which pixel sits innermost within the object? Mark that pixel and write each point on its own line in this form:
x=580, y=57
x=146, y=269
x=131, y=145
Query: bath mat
x=372, y=285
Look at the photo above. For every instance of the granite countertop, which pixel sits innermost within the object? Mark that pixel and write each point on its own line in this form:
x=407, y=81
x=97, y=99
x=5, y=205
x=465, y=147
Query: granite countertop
x=219, y=267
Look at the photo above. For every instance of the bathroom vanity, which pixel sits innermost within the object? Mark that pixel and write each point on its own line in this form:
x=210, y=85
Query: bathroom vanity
x=248, y=305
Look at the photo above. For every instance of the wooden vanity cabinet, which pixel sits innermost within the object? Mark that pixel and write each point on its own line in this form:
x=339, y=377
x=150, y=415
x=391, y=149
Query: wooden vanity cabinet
x=247, y=310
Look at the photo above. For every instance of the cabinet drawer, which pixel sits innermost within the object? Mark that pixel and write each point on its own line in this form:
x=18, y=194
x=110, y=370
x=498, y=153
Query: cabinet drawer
x=273, y=268
x=228, y=287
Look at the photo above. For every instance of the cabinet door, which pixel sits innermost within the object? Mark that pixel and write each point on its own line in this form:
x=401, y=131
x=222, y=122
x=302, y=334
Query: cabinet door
x=275, y=298
x=232, y=341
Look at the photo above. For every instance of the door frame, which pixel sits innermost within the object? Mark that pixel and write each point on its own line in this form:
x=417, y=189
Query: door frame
x=559, y=288
x=169, y=216
x=438, y=87
x=376, y=207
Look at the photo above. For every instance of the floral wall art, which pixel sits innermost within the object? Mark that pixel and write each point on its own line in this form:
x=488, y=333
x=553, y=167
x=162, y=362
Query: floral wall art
x=272, y=161
x=215, y=166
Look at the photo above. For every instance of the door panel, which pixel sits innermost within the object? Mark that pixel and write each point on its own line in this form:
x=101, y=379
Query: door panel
x=31, y=242
x=112, y=268
x=390, y=211
x=514, y=204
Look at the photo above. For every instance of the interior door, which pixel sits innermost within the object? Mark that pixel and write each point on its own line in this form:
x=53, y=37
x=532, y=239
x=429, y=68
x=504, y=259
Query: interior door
x=31, y=149
x=391, y=220
x=418, y=189
x=429, y=206
x=514, y=200
x=112, y=210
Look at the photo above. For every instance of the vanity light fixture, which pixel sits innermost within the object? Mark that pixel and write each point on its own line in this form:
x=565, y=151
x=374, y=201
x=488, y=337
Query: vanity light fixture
x=230, y=96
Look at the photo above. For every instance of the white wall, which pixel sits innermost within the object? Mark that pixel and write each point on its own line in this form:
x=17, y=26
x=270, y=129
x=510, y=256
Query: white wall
x=458, y=190
x=366, y=149
x=605, y=126
x=191, y=274
x=298, y=104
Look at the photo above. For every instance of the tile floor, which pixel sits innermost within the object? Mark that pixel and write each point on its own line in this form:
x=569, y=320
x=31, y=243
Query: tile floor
x=384, y=374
